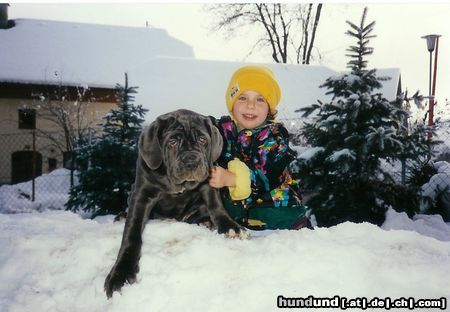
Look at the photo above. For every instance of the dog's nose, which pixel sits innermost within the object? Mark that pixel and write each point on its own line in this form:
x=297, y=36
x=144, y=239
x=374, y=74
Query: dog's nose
x=190, y=161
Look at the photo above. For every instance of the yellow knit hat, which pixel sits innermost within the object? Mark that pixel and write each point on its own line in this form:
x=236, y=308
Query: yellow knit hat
x=258, y=78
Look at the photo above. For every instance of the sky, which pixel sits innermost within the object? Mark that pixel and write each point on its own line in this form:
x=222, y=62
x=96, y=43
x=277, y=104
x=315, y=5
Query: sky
x=399, y=28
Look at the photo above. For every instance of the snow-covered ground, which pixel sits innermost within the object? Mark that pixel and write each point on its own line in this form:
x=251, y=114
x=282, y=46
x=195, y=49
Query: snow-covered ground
x=57, y=261
x=53, y=260
x=51, y=192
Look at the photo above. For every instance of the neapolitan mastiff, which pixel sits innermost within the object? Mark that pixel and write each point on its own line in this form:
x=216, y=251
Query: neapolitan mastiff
x=176, y=153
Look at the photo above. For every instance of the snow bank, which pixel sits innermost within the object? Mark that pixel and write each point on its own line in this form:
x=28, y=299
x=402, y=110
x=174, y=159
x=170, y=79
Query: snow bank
x=56, y=261
x=428, y=225
x=51, y=192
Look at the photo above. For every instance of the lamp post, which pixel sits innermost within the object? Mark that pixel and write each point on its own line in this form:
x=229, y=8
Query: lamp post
x=432, y=42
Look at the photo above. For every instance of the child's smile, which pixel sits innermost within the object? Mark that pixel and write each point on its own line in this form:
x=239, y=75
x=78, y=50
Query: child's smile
x=250, y=110
x=250, y=116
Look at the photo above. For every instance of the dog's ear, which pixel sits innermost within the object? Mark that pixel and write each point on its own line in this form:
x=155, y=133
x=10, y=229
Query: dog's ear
x=216, y=139
x=149, y=145
x=150, y=148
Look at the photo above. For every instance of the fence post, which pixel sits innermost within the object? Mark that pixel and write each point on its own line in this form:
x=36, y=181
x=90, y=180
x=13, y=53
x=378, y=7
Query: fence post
x=90, y=145
x=72, y=166
x=33, y=170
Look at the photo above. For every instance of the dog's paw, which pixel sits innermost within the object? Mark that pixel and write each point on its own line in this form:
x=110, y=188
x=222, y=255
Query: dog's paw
x=231, y=229
x=118, y=276
x=242, y=234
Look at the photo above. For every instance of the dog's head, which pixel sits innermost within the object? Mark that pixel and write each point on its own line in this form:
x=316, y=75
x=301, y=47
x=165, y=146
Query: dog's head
x=185, y=143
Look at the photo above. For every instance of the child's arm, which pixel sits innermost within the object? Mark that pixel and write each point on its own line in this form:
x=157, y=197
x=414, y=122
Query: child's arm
x=236, y=178
x=221, y=177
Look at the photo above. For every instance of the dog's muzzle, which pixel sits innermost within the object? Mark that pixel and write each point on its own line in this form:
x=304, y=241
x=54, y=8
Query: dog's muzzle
x=190, y=161
x=191, y=166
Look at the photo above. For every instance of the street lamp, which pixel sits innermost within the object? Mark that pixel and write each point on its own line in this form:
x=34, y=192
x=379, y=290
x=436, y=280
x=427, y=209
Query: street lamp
x=432, y=42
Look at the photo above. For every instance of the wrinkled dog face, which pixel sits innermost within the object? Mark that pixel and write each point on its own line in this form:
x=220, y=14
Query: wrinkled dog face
x=186, y=143
x=186, y=147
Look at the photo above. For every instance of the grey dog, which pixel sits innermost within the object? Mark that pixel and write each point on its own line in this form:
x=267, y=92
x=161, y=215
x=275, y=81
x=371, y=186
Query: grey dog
x=176, y=153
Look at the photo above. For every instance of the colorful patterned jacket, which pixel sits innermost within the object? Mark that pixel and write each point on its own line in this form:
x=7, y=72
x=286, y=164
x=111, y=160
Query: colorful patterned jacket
x=266, y=152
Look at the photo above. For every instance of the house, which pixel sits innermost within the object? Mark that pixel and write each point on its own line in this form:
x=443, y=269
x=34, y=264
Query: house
x=40, y=58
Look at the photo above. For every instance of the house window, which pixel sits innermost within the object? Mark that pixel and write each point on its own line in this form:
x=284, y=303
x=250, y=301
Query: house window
x=27, y=118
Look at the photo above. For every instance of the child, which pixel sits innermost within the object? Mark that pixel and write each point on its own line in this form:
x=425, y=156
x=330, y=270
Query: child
x=260, y=192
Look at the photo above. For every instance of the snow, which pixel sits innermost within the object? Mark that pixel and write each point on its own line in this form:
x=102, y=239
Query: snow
x=67, y=53
x=428, y=225
x=341, y=153
x=166, y=84
x=354, y=96
x=310, y=153
x=332, y=118
x=57, y=261
x=169, y=83
x=164, y=68
x=439, y=182
x=51, y=192
x=442, y=150
x=350, y=78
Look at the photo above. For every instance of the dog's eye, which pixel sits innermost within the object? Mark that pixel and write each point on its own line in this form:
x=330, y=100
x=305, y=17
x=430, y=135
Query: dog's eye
x=173, y=143
x=201, y=140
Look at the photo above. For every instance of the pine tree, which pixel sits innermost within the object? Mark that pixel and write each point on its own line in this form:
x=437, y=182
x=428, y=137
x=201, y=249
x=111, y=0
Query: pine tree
x=350, y=136
x=107, y=164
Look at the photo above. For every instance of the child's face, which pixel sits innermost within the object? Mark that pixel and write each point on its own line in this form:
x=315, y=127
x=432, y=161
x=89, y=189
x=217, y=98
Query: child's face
x=250, y=110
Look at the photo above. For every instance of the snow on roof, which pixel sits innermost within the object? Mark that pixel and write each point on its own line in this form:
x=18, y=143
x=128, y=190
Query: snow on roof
x=53, y=52
x=164, y=68
x=166, y=84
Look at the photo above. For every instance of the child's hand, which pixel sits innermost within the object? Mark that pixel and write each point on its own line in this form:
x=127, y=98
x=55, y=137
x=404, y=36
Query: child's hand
x=220, y=177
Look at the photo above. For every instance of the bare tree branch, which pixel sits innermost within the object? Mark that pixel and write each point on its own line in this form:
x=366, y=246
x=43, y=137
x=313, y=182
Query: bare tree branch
x=285, y=28
x=316, y=24
x=260, y=42
x=274, y=21
x=66, y=115
x=269, y=33
x=306, y=33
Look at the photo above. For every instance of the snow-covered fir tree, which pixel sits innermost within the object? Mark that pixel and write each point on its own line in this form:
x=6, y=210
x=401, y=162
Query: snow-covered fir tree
x=349, y=137
x=107, y=164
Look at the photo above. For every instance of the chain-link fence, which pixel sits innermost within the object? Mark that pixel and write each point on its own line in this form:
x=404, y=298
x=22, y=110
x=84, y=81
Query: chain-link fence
x=34, y=172
x=436, y=190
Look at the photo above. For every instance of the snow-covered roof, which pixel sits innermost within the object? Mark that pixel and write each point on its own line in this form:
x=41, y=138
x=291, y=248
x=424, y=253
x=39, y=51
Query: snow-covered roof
x=53, y=52
x=166, y=84
x=164, y=68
